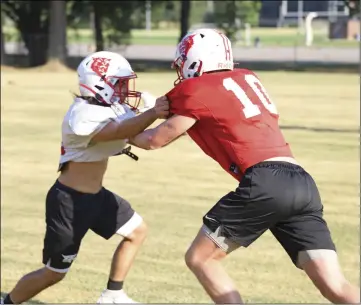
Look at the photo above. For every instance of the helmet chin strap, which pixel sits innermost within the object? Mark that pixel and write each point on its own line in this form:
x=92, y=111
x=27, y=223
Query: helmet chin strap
x=115, y=99
x=126, y=151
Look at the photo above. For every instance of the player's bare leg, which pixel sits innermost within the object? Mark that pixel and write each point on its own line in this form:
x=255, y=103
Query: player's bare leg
x=125, y=253
x=122, y=261
x=203, y=258
x=32, y=284
x=325, y=272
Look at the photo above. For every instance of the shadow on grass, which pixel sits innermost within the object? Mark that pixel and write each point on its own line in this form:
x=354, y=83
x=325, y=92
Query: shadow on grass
x=3, y=295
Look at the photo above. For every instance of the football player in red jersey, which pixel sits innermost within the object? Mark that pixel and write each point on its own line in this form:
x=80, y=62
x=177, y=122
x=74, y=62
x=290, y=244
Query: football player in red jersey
x=229, y=114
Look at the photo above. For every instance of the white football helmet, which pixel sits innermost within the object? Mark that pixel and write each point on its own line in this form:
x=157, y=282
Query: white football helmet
x=106, y=76
x=201, y=51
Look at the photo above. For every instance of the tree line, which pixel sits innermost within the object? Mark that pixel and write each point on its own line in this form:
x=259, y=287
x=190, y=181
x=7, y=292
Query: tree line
x=42, y=25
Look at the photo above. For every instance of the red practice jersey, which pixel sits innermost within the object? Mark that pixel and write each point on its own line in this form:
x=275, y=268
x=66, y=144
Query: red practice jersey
x=237, y=123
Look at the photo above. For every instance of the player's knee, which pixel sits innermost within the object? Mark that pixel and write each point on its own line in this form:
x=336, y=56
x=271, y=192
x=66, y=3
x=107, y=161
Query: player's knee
x=193, y=260
x=333, y=289
x=139, y=233
x=52, y=277
x=326, y=274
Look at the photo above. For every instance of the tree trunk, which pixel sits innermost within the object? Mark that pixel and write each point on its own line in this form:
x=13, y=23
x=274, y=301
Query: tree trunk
x=3, y=54
x=32, y=22
x=37, y=45
x=99, y=39
x=57, y=31
x=184, y=20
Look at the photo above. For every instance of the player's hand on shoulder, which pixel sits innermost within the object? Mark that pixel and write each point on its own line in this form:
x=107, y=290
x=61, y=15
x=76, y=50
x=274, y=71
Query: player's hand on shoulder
x=161, y=107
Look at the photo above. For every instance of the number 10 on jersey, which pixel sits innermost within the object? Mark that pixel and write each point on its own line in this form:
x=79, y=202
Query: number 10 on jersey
x=250, y=109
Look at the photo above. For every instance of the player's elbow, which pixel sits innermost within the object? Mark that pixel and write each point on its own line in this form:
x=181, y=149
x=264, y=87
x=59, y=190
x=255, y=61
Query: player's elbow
x=153, y=142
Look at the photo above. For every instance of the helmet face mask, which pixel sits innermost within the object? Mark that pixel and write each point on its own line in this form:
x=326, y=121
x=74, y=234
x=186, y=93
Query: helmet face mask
x=109, y=78
x=178, y=66
x=124, y=91
x=202, y=51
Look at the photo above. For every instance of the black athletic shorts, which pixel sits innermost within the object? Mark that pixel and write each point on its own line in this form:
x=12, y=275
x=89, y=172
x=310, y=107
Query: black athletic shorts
x=70, y=214
x=279, y=196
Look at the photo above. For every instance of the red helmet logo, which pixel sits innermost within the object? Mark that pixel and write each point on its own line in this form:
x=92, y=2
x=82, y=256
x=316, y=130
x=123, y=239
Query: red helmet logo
x=185, y=45
x=100, y=65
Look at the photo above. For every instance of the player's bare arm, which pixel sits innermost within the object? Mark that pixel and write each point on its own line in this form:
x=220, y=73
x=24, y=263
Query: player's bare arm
x=130, y=127
x=163, y=134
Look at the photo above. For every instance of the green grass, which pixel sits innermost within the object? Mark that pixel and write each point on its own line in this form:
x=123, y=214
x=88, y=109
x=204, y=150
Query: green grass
x=284, y=37
x=172, y=188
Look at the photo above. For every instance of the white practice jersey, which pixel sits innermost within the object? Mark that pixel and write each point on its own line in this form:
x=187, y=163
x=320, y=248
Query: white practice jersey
x=81, y=123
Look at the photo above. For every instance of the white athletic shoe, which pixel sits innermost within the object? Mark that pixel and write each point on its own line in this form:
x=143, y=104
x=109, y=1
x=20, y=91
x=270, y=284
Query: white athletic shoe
x=114, y=297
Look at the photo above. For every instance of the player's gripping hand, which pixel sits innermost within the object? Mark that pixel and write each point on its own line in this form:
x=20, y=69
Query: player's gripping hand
x=148, y=102
x=161, y=107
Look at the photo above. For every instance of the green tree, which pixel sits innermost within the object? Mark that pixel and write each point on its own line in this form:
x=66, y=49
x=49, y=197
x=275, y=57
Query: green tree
x=159, y=9
x=31, y=19
x=231, y=14
x=113, y=20
x=354, y=6
x=197, y=12
x=117, y=20
x=42, y=27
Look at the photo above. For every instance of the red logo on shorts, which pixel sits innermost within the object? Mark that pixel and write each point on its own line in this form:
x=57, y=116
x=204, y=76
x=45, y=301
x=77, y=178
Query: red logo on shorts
x=100, y=65
x=62, y=150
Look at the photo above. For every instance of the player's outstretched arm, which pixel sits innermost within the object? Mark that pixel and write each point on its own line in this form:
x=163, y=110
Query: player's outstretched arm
x=165, y=133
x=130, y=127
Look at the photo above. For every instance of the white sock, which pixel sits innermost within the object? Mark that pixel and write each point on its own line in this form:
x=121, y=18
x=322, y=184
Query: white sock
x=110, y=293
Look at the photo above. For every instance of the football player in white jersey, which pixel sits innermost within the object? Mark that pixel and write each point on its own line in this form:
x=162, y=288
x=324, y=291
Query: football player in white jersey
x=96, y=127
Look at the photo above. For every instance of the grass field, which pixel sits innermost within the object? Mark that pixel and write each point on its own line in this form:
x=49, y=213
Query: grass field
x=284, y=37
x=172, y=188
